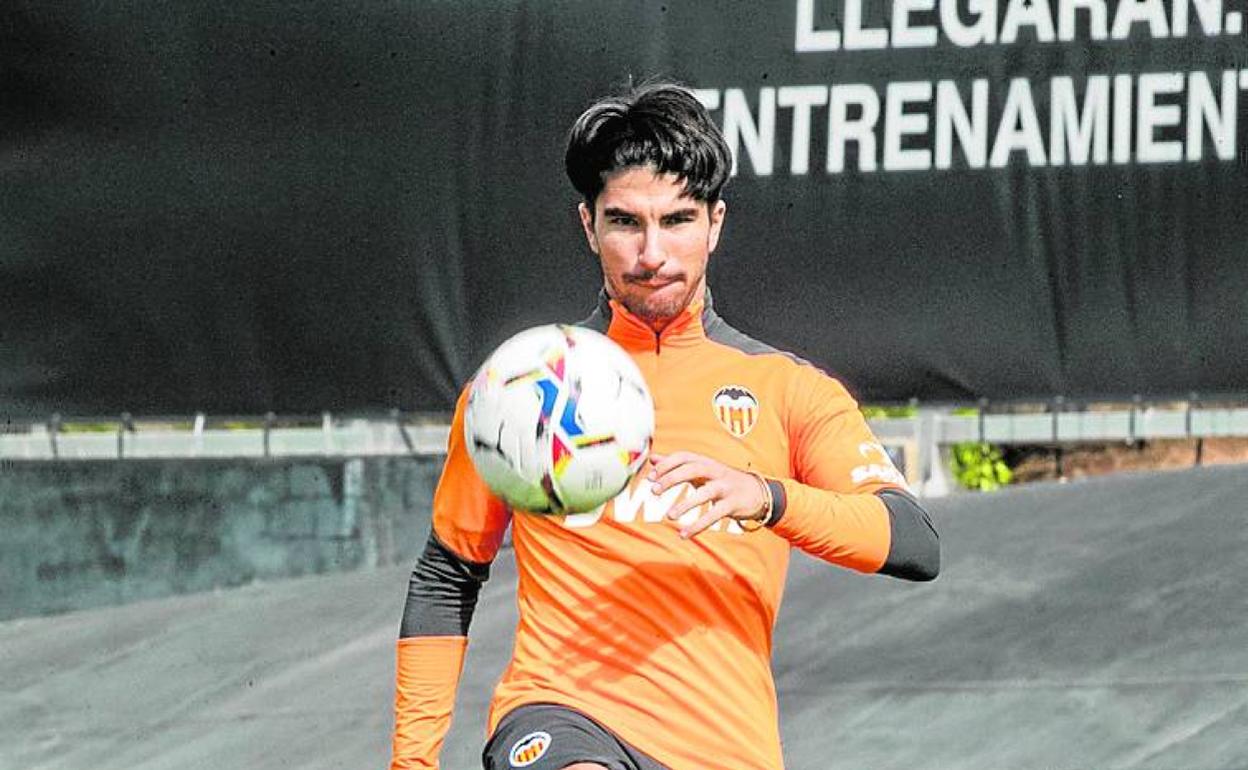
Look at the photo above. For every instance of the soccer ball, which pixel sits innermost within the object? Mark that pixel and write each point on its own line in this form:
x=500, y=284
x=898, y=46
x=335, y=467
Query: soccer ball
x=558, y=420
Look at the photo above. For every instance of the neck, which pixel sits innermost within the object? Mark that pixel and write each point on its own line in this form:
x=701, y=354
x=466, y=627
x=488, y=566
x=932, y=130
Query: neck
x=658, y=324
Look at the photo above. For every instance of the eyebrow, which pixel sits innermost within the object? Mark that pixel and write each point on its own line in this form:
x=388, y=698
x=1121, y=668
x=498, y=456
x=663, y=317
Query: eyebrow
x=613, y=211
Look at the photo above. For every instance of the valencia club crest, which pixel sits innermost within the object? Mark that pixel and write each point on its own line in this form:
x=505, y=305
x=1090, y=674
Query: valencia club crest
x=736, y=408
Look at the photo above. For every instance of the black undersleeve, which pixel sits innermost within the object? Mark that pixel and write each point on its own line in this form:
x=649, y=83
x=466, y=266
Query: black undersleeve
x=914, y=553
x=442, y=593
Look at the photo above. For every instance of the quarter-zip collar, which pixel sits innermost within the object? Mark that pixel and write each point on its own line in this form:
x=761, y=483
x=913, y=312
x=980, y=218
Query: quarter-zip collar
x=633, y=334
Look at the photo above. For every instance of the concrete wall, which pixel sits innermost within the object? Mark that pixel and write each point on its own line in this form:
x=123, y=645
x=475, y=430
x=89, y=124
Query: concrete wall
x=78, y=534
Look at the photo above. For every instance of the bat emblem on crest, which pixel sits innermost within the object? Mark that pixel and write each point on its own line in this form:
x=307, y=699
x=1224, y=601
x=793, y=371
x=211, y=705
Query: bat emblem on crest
x=736, y=408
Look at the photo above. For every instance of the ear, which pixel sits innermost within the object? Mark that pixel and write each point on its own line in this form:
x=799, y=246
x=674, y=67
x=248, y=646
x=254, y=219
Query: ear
x=717, y=223
x=587, y=224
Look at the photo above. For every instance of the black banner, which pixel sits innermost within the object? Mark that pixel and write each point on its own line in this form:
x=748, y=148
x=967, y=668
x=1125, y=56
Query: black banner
x=244, y=207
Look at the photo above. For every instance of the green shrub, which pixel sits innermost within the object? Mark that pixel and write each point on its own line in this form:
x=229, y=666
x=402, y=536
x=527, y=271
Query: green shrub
x=980, y=466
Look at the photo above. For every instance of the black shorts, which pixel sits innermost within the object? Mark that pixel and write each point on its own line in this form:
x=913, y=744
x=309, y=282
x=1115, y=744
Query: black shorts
x=544, y=736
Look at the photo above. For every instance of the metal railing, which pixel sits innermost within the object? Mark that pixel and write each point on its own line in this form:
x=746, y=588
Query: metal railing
x=918, y=441
x=925, y=437
x=270, y=437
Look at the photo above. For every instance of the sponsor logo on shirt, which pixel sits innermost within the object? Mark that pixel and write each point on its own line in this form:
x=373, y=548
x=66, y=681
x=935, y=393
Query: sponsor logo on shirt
x=637, y=501
x=529, y=749
x=879, y=466
x=736, y=408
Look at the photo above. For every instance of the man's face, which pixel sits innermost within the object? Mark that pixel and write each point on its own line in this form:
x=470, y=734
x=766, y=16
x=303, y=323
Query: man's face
x=653, y=241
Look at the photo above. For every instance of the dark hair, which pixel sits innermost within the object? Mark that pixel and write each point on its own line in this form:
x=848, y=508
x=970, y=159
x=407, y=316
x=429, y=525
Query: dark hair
x=658, y=124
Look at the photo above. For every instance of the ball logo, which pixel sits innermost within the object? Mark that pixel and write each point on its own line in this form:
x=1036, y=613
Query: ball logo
x=736, y=408
x=529, y=749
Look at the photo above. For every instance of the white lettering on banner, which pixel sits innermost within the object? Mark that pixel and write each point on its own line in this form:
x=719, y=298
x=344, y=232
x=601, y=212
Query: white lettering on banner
x=1208, y=11
x=801, y=99
x=1122, y=118
x=1056, y=119
x=861, y=130
x=708, y=96
x=982, y=31
x=807, y=38
x=906, y=36
x=971, y=129
x=1024, y=13
x=898, y=123
x=924, y=125
x=1019, y=128
x=1086, y=135
x=1098, y=25
x=1152, y=116
x=970, y=23
x=1131, y=12
x=739, y=127
x=858, y=37
x=1220, y=118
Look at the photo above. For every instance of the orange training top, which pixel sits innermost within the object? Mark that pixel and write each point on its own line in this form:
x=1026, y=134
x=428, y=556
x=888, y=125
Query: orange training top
x=667, y=642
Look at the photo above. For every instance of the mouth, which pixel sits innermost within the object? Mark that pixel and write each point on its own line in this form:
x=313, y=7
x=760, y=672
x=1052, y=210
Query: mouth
x=653, y=282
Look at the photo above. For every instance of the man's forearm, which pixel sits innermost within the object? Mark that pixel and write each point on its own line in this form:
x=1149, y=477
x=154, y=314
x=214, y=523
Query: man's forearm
x=427, y=670
x=886, y=532
x=441, y=598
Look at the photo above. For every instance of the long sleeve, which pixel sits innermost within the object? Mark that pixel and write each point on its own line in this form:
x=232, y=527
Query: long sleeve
x=426, y=675
x=468, y=526
x=848, y=504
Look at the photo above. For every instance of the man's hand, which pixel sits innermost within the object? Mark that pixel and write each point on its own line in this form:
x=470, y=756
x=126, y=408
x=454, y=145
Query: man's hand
x=729, y=493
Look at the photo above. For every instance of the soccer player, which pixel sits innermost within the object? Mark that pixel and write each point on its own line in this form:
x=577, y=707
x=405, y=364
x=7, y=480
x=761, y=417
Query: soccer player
x=645, y=630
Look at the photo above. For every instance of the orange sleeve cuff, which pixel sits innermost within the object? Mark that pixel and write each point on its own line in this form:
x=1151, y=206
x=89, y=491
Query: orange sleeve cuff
x=426, y=676
x=851, y=530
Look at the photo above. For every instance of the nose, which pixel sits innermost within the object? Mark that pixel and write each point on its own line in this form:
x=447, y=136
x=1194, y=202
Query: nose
x=652, y=254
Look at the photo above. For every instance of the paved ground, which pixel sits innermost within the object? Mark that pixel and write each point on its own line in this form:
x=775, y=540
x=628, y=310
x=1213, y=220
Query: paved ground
x=1098, y=624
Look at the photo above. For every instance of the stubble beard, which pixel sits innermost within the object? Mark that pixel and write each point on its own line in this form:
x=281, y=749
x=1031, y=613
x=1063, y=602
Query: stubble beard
x=656, y=312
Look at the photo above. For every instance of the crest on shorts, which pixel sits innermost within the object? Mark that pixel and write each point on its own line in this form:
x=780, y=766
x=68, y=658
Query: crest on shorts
x=736, y=408
x=529, y=749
